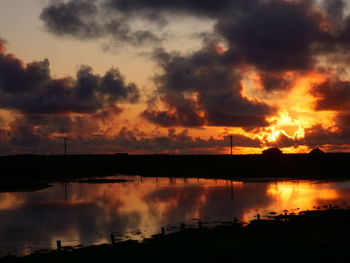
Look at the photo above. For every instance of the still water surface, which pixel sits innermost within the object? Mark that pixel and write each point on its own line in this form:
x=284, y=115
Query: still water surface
x=85, y=214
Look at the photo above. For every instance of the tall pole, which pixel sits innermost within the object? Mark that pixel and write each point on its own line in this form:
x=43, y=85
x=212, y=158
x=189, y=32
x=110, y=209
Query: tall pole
x=65, y=192
x=231, y=143
x=65, y=145
x=231, y=190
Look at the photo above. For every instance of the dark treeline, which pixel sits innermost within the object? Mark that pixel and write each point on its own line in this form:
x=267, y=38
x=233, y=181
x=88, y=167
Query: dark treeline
x=27, y=169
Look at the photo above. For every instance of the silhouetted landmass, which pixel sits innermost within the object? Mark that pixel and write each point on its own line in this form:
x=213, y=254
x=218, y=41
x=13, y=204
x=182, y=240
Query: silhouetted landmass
x=36, y=170
x=15, y=186
x=311, y=236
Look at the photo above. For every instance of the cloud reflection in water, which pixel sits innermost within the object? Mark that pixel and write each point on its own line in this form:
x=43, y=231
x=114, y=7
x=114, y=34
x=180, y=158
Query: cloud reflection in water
x=33, y=220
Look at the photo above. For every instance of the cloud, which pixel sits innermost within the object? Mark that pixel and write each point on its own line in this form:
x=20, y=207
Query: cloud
x=24, y=138
x=175, y=142
x=43, y=108
x=274, y=36
x=203, y=89
x=284, y=141
x=275, y=82
x=332, y=94
x=30, y=88
x=85, y=20
x=205, y=8
x=318, y=135
x=279, y=41
x=183, y=113
x=74, y=17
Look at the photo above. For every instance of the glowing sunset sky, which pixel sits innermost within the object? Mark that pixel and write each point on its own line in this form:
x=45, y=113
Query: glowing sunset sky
x=151, y=76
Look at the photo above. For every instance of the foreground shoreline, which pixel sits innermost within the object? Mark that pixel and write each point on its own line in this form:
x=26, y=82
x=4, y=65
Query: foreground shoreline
x=310, y=235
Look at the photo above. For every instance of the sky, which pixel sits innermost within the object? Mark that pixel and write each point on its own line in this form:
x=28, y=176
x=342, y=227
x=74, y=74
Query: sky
x=178, y=77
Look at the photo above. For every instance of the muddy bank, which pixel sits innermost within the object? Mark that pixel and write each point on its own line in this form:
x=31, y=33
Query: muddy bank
x=308, y=236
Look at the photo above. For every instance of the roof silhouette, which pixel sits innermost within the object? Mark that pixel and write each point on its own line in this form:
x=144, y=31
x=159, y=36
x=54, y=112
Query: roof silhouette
x=317, y=151
x=272, y=152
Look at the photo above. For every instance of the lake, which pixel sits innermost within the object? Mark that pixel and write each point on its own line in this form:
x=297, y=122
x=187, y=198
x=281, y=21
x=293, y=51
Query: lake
x=87, y=213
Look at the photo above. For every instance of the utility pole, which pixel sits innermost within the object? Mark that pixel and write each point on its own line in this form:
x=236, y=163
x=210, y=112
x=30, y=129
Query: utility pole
x=65, y=192
x=65, y=145
x=231, y=137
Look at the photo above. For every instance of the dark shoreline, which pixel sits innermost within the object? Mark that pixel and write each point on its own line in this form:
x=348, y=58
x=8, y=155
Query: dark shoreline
x=310, y=235
x=34, y=171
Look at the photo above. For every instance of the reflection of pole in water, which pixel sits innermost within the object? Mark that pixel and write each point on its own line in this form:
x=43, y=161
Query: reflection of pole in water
x=65, y=192
x=65, y=145
x=172, y=180
x=231, y=190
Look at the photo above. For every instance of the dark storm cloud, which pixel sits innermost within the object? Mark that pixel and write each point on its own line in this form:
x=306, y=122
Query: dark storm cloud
x=320, y=136
x=47, y=123
x=283, y=141
x=332, y=94
x=15, y=78
x=343, y=119
x=114, y=87
x=184, y=112
x=90, y=19
x=77, y=18
x=275, y=82
x=206, y=8
x=25, y=137
x=31, y=89
x=85, y=20
x=203, y=89
x=317, y=136
x=274, y=36
x=335, y=8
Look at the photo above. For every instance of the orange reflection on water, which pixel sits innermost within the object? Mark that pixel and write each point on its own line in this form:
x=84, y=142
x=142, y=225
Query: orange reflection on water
x=303, y=195
x=155, y=202
x=10, y=201
x=294, y=196
x=89, y=213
